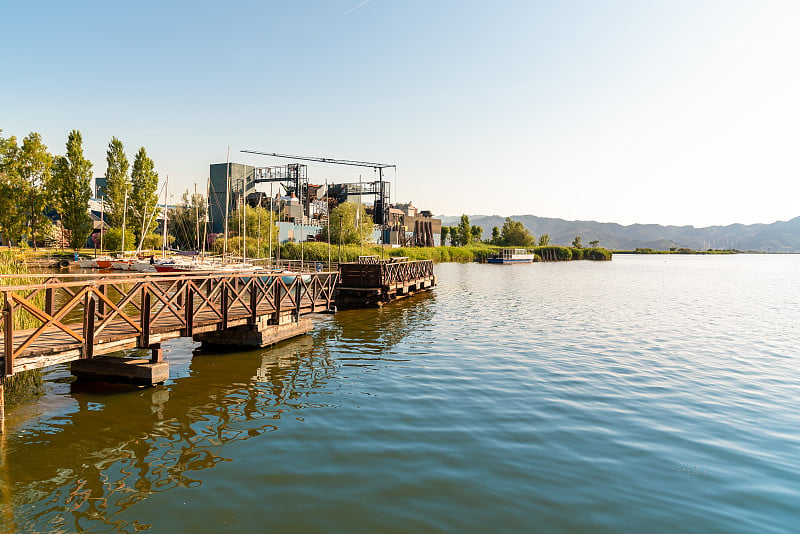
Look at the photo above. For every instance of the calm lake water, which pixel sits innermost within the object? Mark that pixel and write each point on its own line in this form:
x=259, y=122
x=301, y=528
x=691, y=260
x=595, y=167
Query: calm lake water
x=647, y=394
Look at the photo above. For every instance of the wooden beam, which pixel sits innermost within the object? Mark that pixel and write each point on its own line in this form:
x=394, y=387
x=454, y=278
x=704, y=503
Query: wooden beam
x=144, y=338
x=224, y=304
x=88, y=327
x=8, y=330
x=189, y=309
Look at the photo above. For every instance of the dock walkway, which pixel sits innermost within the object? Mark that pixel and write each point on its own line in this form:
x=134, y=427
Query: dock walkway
x=71, y=317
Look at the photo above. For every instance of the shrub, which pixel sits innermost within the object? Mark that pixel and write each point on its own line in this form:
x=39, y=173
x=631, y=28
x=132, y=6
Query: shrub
x=597, y=254
x=112, y=240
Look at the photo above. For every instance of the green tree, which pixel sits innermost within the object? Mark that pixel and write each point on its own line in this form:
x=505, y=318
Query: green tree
x=112, y=239
x=11, y=187
x=576, y=243
x=594, y=244
x=118, y=183
x=476, y=232
x=514, y=234
x=445, y=233
x=345, y=227
x=544, y=240
x=464, y=231
x=495, y=236
x=143, y=197
x=72, y=176
x=34, y=169
x=258, y=226
x=182, y=221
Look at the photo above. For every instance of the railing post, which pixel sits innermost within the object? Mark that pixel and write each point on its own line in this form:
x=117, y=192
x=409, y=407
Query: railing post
x=49, y=301
x=144, y=339
x=88, y=326
x=277, y=287
x=189, y=309
x=224, y=304
x=8, y=325
x=313, y=296
x=101, y=303
x=254, y=301
x=298, y=292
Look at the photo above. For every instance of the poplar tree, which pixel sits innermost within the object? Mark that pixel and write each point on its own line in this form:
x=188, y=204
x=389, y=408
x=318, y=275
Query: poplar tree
x=464, y=231
x=143, y=198
x=118, y=183
x=36, y=194
x=72, y=176
x=11, y=220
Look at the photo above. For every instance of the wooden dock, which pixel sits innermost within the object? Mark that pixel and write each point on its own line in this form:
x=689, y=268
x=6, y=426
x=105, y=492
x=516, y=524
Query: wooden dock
x=81, y=316
x=374, y=282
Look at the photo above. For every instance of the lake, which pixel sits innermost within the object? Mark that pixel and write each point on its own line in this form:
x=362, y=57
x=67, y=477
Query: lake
x=646, y=394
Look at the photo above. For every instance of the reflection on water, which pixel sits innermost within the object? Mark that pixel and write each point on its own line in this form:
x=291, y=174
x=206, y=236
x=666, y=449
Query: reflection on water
x=78, y=471
x=116, y=445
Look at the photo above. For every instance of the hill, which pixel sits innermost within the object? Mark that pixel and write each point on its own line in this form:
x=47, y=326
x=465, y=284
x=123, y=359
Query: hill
x=780, y=236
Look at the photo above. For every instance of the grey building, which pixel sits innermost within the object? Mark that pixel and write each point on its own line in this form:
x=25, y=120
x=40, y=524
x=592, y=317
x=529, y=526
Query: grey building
x=240, y=177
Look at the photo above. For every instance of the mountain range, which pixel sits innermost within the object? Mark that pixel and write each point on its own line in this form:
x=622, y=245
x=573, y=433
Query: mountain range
x=780, y=236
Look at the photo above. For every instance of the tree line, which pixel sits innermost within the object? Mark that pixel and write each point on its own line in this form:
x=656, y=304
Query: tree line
x=512, y=234
x=35, y=183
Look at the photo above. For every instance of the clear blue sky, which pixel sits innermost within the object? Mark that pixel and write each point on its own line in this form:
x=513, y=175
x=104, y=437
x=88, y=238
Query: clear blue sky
x=643, y=111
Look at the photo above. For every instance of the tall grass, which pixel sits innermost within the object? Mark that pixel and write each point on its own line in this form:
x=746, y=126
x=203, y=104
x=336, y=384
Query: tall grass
x=477, y=252
x=28, y=383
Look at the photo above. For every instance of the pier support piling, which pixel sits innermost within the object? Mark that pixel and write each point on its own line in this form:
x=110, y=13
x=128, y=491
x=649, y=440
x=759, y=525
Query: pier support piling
x=137, y=371
x=263, y=334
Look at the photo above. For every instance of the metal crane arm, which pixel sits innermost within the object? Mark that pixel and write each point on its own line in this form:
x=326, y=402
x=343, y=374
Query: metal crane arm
x=325, y=160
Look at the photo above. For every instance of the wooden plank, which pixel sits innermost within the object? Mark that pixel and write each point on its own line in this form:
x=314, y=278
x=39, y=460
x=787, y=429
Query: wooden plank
x=88, y=327
x=8, y=320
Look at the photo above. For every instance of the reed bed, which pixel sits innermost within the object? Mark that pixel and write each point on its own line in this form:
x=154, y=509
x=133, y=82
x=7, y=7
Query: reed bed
x=27, y=384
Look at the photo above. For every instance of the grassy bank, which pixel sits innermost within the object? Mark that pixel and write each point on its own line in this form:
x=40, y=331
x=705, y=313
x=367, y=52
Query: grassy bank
x=677, y=251
x=27, y=384
x=478, y=252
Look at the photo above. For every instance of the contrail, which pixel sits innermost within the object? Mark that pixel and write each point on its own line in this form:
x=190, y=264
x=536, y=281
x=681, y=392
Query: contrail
x=362, y=4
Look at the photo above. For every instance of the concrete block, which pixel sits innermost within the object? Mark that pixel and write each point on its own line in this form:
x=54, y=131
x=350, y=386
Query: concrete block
x=260, y=335
x=127, y=370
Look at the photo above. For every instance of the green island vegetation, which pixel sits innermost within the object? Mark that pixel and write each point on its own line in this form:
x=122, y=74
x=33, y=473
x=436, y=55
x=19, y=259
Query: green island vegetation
x=676, y=250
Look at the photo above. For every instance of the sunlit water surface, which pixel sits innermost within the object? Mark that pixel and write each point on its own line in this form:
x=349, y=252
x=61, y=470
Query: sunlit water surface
x=647, y=394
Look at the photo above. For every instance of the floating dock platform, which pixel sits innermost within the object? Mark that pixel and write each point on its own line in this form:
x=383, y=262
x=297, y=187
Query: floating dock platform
x=372, y=282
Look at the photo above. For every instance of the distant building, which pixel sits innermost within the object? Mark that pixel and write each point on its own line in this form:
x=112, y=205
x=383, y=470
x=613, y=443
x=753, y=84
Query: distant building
x=242, y=182
x=100, y=183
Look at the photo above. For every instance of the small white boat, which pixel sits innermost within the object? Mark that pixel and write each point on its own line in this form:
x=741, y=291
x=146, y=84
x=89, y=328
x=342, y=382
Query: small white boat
x=122, y=265
x=87, y=263
x=511, y=255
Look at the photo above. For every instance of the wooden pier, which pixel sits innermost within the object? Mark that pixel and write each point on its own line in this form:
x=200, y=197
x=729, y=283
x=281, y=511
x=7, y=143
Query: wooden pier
x=80, y=317
x=374, y=282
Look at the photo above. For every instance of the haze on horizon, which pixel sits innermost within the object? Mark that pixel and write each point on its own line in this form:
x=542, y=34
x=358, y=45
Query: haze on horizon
x=673, y=113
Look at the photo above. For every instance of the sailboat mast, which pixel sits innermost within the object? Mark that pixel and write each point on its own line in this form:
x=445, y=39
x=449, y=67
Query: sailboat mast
x=205, y=223
x=328, y=214
x=197, y=216
x=227, y=201
x=270, y=224
x=244, y=221
x=124, y=217
x=164, y=239
x=102, y=218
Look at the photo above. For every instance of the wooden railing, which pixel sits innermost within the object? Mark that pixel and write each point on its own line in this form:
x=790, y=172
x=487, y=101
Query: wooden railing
x=384, y=272
x=395, y=273
x=75, y=317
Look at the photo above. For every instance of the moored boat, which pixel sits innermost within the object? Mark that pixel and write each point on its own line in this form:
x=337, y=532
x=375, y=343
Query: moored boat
x=87, y=263
x=511, y=255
